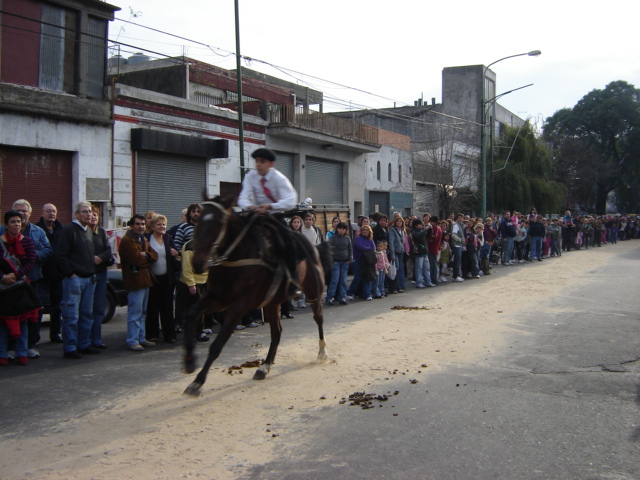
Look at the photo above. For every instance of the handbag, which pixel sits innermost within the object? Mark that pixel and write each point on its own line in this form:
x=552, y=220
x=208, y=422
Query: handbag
x=14, y=263
x=392, y=271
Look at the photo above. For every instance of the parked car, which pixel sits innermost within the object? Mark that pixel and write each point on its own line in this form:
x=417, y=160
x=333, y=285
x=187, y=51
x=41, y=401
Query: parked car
x=116, y=294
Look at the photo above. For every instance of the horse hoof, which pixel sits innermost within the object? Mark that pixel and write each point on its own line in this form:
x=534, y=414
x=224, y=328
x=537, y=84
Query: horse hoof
x=193, y=389
x=323, y=357
x=189, y=364
x=260, y=374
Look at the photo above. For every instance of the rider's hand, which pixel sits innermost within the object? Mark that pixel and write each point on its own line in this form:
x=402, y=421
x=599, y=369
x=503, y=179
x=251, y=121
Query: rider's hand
x=264, y=208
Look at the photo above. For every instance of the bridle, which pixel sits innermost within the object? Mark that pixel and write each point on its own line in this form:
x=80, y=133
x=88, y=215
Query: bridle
x=214, y=258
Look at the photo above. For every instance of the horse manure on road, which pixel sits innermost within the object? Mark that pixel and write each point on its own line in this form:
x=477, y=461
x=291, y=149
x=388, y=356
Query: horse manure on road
x=365, y=400
x=249, y=364
x=403, y=307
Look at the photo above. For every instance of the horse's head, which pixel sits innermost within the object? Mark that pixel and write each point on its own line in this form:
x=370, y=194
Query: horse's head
x=210, y=231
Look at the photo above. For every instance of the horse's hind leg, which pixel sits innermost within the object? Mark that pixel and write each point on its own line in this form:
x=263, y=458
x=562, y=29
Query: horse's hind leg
x=317, y=307
x=272, y=312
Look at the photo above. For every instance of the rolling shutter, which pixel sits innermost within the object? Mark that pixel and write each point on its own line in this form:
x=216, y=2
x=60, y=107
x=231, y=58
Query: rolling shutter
x=38, y=176
x=284, y=164
x=168, y=183
x=324, y=181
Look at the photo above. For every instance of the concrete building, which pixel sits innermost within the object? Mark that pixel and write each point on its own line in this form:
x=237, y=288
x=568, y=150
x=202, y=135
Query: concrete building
x=165, y=131
x=184, y=100
x=389, y=176
x=55, y=117
x=445, y=138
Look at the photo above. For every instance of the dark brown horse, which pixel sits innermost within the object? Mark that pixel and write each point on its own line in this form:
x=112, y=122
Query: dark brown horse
x=244, y=274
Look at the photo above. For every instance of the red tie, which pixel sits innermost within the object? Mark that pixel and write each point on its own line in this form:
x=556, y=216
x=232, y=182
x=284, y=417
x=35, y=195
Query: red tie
x=267, y=192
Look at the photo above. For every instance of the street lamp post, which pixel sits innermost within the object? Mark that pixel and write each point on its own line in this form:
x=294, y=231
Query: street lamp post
x=483, y=136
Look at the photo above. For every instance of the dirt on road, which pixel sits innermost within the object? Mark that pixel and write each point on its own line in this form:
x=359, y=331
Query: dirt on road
x=158, y=433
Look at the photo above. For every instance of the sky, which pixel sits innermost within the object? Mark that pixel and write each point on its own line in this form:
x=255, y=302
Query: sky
x=372, y=54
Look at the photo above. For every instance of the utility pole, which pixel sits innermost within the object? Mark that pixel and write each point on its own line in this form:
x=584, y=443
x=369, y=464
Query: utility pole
x=239, y=76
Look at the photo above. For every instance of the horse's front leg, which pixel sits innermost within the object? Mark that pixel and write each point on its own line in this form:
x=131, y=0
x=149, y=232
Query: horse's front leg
x=272, y=313
x=189, y=331
x=228, y=327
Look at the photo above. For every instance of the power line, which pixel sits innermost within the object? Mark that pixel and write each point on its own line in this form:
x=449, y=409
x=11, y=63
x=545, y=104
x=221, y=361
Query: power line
x=290, y=72
x=251, y=59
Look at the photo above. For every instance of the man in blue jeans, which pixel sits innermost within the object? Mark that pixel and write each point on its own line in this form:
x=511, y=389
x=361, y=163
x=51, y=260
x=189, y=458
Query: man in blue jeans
x=537, y=234
x=342, y=251
x=507, y=231
x=75, y=257
x=135, y=257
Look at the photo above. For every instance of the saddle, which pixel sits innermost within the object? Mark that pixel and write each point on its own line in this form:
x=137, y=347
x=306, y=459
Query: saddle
x=279, y=245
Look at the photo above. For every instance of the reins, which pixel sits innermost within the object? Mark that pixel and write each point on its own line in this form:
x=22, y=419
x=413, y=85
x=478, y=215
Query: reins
x=221, y=260
x=215, y=259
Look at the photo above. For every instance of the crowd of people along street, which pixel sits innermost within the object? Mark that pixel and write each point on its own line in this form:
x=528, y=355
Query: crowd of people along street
x=64, y=267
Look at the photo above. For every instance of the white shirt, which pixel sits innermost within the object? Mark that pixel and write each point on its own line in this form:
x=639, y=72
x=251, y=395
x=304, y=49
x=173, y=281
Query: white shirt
x=159, y=267
x=281, y=189
x=311, y=234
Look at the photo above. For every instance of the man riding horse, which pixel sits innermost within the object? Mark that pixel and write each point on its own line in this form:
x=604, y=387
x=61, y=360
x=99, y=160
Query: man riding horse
x=266, y=190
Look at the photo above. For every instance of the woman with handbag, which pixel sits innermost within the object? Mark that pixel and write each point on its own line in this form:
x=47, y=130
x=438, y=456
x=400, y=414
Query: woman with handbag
x=104, y=259
x=19, y=302
x=397, y=250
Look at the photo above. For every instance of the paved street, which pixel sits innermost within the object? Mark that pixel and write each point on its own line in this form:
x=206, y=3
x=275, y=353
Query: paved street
x=559, y=398
x=561, y=401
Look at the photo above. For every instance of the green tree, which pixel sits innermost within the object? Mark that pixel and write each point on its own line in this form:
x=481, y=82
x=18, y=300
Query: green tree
x=522, y=173
x=596, y=147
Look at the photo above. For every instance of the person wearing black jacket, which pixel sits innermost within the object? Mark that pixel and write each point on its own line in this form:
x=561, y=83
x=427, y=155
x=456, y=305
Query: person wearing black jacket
x=51, y=275
x=422, y=268
x=75, y=255
x=381, y=231
x=103, y=259
x=507, y=231
x=537, y=234
x=160, y=303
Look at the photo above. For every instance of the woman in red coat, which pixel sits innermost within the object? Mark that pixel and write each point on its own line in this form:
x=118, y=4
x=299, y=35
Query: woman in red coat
x=19, y=303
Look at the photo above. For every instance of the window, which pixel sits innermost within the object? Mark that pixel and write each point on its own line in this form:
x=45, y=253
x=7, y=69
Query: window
x=378, y=174
x=96, y=39
x=57, y=49
x=389, y=172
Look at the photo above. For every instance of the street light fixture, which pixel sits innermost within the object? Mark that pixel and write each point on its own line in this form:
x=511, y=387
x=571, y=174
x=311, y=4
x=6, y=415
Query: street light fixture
x=483, y=104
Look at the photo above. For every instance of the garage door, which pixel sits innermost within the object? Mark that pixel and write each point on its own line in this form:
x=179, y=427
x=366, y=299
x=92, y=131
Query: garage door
x=324, y=181
x=39, y=176
x=168, y=183
x=284, y=164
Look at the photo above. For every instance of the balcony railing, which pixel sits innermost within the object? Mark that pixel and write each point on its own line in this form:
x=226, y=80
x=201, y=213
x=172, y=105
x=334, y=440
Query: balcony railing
x=299, y=117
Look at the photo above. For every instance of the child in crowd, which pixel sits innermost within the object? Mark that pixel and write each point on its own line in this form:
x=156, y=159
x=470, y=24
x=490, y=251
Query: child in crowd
x=553, y=233
x=382, y=267
x=485, y=255
x=522, y=230
x=445, y=256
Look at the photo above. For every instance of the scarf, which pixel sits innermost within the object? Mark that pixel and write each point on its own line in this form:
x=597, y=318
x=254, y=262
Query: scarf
x=14, y=245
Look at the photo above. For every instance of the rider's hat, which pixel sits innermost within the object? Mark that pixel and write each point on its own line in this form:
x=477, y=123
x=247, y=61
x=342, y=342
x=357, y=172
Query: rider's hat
x=264, y=153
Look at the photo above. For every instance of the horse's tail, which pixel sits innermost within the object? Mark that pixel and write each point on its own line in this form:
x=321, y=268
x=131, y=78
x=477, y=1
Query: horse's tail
x=326, y=259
